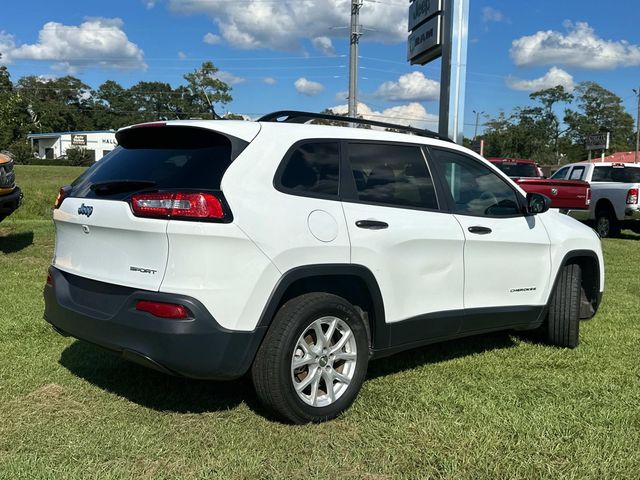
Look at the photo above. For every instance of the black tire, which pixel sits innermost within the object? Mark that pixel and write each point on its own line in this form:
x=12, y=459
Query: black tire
x=272, y=368
x=607, y=225
x=563, y=321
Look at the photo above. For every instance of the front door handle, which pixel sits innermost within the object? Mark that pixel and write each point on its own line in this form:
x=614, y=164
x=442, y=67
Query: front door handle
x=480, y=230
x=372, y=224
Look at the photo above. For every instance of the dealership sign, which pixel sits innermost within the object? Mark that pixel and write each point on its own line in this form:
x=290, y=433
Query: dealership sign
x=598, y=141
x=425, y=27
x=79, y=140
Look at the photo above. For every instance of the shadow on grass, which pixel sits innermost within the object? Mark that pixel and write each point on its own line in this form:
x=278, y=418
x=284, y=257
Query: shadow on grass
x=152, y=389
x=15, y=242
x=162, y=392
x=440, y=352
x=629, y=235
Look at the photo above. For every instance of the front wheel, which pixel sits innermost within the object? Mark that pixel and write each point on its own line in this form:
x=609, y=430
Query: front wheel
x=563, y=321
x=313, y=360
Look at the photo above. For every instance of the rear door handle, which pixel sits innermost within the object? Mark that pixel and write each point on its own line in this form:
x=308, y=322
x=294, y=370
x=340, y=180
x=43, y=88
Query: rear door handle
x=372, y=224
x=480, y=230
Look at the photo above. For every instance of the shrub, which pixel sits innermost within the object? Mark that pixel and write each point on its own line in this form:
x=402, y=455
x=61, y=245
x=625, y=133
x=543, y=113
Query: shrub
x=21, y=152
x=78, y=156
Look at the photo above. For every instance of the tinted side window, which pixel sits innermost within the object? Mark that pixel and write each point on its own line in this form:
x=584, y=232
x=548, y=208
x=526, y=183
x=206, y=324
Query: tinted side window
x=475, y=189
x=601, y=174
x=313, y=168
x=392, y=175
x=560, y=174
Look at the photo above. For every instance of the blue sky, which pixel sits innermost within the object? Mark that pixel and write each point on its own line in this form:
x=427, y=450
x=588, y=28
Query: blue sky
x=293, y=54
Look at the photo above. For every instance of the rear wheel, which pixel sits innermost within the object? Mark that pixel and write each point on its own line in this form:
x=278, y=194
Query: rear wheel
x=607, y=224
x=313, y=360
x=563, y=322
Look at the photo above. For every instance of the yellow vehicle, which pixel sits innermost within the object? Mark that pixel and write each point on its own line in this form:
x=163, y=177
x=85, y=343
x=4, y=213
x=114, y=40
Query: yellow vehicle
x=10, y=195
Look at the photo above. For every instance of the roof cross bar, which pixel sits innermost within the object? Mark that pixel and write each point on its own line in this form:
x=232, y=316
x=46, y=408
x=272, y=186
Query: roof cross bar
x=295, y=116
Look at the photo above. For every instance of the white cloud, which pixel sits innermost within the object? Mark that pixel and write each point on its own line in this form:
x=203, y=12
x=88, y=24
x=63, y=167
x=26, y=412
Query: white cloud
x=269, y=81
x=412, y=114
x=580, y=47
x=308, y=87
x=554, y=77
x=182, y=55
x=323, y=45
x=490, y=14
x=228, y=77
x=252, y=24
x=412, y=87
x=97, y=42
x=149, y=4
x=342, y=95
x=212, y=39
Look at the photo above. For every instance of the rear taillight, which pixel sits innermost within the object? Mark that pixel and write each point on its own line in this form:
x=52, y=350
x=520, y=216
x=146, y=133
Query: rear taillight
x=588, y=196
x=178, y=205
x=163, y=310
x=632, y=196
x=62, y=194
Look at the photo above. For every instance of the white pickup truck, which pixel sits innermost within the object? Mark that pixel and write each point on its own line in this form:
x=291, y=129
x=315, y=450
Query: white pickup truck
x=614, y=195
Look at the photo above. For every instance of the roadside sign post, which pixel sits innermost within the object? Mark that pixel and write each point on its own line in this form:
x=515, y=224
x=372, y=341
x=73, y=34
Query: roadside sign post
x=439, y=28
x=598, y=141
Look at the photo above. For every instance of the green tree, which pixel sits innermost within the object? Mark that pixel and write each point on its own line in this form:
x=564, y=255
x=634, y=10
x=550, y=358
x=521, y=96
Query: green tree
x=599, y=110
x=10, y=118
x=53, y=105
x=549, y=120
x=206, y=90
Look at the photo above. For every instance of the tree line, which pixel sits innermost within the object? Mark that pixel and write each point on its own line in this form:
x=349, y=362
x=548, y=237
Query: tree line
x=540, y=133
x=34, y=104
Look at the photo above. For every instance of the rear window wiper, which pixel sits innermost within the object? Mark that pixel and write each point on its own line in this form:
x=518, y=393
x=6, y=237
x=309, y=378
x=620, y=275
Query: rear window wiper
x=120, y=186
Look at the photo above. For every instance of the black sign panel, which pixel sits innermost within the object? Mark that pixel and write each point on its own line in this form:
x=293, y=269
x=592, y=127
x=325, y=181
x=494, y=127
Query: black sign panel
x=79, y=140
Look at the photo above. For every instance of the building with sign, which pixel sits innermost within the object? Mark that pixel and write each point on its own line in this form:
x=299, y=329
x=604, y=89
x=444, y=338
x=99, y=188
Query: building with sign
x=51, y=146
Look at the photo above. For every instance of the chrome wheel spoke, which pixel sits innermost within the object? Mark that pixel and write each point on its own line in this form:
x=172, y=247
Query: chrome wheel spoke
x=346, y=356
x=302, y=362
x=341, y=343
x=320, y=341
x=331, y=330
x=328, y=381
x=307, y=380
x=341, y=378
x=314, y=389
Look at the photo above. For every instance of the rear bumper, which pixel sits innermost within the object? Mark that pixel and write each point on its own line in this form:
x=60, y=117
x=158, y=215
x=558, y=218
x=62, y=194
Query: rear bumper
x=632, y=214
x=10, y=203
x=105, y=315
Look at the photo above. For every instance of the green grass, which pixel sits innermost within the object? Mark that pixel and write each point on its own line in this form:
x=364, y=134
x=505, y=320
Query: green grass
x=495, y=406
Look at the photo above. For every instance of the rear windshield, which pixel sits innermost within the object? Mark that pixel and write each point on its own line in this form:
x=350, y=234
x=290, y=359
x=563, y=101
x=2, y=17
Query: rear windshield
x=518, y=169
x=159, y=158
x=616, y=174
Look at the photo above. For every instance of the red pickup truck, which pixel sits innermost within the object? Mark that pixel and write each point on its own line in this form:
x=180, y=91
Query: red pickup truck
x=564, y=194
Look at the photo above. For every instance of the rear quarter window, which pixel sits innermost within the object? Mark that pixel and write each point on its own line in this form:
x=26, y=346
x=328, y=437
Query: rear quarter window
x=311, y=169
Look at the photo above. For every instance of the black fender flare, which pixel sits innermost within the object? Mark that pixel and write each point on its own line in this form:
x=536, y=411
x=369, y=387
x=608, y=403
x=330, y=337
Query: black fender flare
x=379, y=333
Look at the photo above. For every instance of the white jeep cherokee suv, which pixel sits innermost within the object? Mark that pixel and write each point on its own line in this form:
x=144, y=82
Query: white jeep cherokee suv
x=299, y=252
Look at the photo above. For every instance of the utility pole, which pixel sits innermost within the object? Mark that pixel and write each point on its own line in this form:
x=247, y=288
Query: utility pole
x=637, y=92
x=356, y=32
x=475, y=132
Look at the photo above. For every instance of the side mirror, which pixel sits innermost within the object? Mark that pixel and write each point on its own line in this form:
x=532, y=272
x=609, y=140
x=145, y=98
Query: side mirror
x=537, y=203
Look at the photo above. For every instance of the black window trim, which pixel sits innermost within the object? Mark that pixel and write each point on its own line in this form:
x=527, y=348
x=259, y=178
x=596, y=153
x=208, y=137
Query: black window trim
x=449, y=197
x=348, y=182
x=277, y=178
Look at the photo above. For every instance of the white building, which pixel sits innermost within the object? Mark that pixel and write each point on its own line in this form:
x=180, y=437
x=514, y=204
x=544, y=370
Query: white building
x=54, y=145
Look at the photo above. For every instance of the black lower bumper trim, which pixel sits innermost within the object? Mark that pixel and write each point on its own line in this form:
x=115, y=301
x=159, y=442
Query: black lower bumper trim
x=10, y=203
x=105, y=315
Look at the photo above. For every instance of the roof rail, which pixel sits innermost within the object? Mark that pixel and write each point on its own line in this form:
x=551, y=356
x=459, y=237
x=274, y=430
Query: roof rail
x=295, y=116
